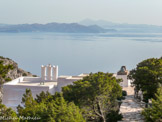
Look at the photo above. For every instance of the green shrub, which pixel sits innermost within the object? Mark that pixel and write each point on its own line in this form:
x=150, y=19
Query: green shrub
x=2, y=57
x=124, y=93
x=114, y=116
x=24, y=74
x=34, y=75
x=154, y=113
x=8, y=79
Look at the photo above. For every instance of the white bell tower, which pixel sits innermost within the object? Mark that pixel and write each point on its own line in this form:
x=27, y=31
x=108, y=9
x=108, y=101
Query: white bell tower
x=55, y=73
x=43, y=73
x=49, y=73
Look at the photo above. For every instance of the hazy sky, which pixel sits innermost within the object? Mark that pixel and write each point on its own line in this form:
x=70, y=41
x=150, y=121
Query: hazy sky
x=44, y=11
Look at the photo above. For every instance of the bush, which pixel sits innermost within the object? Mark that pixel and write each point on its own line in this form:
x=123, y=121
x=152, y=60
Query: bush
x=6, y=114
x=124, y=93
x=154, y=113
x=34, y=75
x=114, y=116
x=2, y=57
x=8, y=79
x=49, y=108
x=24, y=74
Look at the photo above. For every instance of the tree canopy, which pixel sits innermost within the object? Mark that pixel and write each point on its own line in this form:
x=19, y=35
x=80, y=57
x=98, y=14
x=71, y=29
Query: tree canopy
x=154, y=113
x=96, y=94
x=7, y=114
x=147, y=77
x=49, y=108
x=3, y=71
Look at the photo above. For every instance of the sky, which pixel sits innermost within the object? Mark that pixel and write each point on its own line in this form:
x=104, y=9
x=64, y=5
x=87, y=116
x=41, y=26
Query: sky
x=68, y=11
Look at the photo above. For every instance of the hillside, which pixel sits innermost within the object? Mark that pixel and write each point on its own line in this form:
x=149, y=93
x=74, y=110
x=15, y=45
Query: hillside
x=123, y=27
x=54, y=27
x=15, y=72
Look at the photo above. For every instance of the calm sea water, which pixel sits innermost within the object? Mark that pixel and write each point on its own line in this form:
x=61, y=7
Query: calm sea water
x=78, y=53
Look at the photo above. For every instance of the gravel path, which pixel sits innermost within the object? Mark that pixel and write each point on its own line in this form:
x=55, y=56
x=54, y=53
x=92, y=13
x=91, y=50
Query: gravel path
x=130, y=108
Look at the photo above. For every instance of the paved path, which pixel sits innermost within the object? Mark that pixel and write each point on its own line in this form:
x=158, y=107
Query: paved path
x=130, y=108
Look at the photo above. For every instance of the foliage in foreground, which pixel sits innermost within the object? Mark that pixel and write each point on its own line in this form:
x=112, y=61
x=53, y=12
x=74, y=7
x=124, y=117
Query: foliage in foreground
x=49, y=108
x=7, y=114
x=97, y=95
x=147, y=77
x=3, y=71
x=154, y=113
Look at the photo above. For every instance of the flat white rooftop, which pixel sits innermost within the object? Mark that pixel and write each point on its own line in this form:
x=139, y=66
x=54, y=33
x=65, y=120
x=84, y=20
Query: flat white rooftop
x=36, y=83
x=31, y=81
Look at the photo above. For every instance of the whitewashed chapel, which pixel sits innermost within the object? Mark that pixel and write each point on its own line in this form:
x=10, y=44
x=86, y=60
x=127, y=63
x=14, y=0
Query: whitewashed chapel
x=49, y=81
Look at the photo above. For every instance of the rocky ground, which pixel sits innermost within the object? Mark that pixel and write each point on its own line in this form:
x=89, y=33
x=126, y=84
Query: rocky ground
x=130, y=108
x=14, y=73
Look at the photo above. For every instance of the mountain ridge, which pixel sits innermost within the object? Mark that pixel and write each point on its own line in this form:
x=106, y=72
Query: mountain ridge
x=55, y=27
x=124, y=27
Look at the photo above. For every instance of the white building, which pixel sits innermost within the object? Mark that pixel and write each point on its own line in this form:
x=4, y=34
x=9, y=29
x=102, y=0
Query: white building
x=122, y=74
x=49, y=81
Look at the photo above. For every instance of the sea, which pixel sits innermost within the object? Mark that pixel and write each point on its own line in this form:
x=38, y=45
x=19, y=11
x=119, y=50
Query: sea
x=77, y=53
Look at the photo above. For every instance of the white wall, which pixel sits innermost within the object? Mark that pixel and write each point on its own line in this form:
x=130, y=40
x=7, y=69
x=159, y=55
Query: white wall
x=12, y=96
x=32, y=79
x=64, y=82
x=125, y=82
x=15, y=81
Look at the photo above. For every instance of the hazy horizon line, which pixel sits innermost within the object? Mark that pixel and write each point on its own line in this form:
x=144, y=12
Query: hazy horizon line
x=78, y=22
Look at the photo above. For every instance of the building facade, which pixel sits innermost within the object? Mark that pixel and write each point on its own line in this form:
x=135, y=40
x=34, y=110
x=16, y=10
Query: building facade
x=49, y=81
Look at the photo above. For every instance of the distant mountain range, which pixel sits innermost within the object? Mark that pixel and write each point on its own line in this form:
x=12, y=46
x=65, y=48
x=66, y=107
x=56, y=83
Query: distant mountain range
x=124, y=27
x=85, y=26
x=54, y=27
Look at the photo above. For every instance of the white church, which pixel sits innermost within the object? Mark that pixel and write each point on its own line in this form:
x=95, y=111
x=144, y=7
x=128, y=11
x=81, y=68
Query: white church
x=49, y=81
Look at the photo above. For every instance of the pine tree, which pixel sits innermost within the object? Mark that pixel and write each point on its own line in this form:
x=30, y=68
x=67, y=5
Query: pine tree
x=7, y=114
x=154, y=113
x=49, y=108
x=96, y=94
